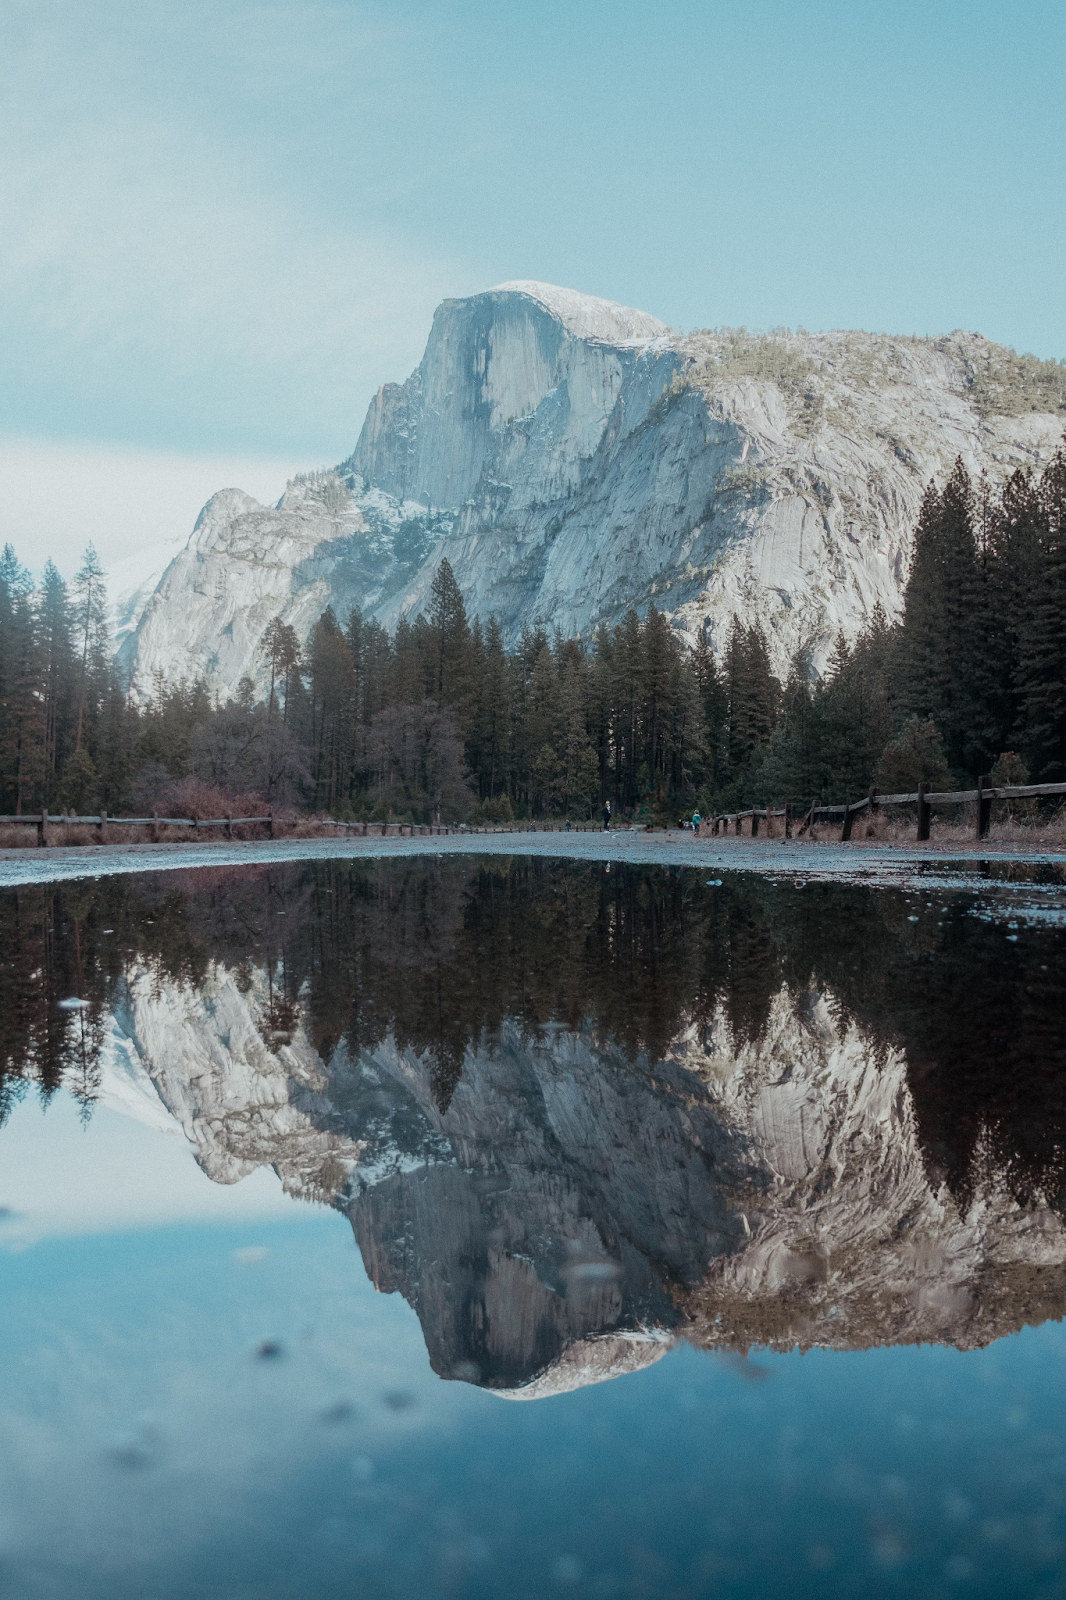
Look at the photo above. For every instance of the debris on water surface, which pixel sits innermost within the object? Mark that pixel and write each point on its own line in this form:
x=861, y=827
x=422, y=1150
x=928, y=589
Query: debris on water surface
x=566, y=1569
x=270, y=1350
x=399, y=1400
x=340, y=1411
x=137, y=1450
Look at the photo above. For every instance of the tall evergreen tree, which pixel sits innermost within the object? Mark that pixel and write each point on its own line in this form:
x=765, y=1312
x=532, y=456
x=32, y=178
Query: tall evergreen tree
x=1042, y=644
x=450, y=677
x=944, y=625
x=22, y=730
x=91, y=640
x=57, y=668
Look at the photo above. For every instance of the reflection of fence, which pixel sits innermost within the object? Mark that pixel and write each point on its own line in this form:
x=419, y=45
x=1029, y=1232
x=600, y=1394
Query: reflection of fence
x=798, y=819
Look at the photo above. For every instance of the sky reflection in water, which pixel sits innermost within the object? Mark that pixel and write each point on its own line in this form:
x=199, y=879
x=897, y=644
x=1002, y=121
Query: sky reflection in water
x=621, y=1142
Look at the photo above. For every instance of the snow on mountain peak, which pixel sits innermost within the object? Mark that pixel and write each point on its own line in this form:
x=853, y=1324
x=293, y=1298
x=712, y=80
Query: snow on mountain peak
x=586, y=316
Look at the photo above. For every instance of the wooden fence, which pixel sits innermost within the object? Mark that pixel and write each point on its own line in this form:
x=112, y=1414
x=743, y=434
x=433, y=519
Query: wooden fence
x=279, y=827
x=799, y=818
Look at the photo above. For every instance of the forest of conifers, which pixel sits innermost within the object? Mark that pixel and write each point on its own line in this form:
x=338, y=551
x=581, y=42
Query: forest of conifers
x=439, y=719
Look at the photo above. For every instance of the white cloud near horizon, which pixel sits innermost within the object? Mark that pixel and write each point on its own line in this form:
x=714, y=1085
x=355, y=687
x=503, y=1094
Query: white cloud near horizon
x=137, y=506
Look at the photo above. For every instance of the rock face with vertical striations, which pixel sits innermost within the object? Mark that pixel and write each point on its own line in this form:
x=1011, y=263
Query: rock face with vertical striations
x=573, y=458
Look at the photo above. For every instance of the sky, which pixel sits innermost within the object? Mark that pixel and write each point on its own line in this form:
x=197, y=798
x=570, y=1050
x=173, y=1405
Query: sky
x=224, y=225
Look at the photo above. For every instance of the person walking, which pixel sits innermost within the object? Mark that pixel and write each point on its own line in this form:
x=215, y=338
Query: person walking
x=696, y=819
x=606, y=815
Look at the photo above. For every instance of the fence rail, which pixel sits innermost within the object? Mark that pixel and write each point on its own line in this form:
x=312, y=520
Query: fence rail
x=278, y=827
x=925, y=799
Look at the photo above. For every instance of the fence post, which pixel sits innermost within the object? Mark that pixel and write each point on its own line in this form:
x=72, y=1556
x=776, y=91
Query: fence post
x=736, y=825
x=984, y=809
x=155, y=828
x=871, y=804
x=807, y=824
x=229, y=826
x=788, y=819
x=270, y=823
x=754, y=823
x=42, y=828
x=845, y=832
x=103, y=827
x=923, y=812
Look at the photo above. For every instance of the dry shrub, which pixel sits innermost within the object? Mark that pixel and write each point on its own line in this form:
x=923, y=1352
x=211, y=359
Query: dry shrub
x=13, y=835
x=208, y=802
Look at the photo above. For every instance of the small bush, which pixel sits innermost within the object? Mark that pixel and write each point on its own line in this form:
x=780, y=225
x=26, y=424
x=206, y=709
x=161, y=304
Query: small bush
x=1011, y=772
x=914, y=756
x=207, y=801
x=499, y=810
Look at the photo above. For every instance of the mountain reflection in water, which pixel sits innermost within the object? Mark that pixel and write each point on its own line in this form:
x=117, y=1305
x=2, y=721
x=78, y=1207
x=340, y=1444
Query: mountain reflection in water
x=573, y=1114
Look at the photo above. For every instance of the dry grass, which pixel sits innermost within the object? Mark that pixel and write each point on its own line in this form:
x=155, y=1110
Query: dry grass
x=19, y=836
x=959, y=827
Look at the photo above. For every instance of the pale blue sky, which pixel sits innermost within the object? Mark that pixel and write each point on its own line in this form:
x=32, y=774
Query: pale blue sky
x=224, y=224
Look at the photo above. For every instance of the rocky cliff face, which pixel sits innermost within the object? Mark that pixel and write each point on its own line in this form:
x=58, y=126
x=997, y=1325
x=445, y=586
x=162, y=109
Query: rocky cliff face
x=572, y=458
x=572, y=1212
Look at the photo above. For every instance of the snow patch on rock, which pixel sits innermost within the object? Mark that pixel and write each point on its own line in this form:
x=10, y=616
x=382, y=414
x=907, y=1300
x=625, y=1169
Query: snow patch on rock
x=586, y=316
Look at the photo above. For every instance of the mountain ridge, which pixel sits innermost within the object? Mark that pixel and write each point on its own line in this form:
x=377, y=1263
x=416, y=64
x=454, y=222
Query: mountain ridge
x=573, y=458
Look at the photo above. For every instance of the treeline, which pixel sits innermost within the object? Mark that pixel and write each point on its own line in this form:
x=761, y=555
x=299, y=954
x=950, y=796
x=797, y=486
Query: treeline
x=972, y=680
x=438, y=719
x=435, y=719
x=67, y=728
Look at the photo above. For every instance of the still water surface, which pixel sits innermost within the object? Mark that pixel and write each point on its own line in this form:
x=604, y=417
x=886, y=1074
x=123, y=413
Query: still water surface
x=752, y=1195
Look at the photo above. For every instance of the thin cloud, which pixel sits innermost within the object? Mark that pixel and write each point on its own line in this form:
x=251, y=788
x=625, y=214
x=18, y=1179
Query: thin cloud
x=158, y=270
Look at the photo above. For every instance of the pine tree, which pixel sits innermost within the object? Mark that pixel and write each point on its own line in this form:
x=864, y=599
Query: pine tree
x=660, y=687
x=332, y=708
x=280, y=649
x=22, y=730
x=495, y=713
x=945, y=621
x=57, y=673
x=1042, y=644
x=753, y=695
x=715, y=707
x=449, y=642
x=409, y=664
x=627, y=694
x=376, y=661
x=91, y=638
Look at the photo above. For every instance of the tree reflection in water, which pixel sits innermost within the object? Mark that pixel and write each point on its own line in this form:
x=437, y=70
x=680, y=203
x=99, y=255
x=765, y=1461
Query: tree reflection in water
x=572, y=1113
